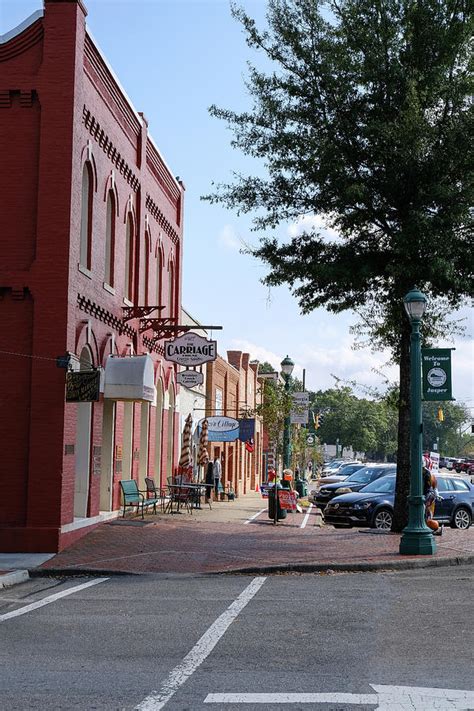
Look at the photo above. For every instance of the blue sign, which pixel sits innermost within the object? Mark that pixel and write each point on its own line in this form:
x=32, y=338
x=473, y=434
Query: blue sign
x=247, y=429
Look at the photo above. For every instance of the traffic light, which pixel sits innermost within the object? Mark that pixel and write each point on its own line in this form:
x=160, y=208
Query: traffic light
x=320, y=418
x=317, y=424
x=440, y=415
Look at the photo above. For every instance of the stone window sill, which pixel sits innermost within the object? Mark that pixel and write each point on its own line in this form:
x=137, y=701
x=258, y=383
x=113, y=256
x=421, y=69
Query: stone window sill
x=84, y=270
x=109, y=288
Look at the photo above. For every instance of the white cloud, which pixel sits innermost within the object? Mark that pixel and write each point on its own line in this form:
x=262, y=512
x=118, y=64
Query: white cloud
x=319, y=223
x=229, y=239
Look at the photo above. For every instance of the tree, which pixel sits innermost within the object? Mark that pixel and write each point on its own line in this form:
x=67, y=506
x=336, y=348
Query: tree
x=446, y=432
x=364, y=119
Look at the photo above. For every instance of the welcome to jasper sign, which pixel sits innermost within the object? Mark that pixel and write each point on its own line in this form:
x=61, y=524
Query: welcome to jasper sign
x=190, y=349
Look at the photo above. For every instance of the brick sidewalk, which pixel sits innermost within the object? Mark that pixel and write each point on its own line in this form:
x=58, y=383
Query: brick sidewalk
x=219, y=540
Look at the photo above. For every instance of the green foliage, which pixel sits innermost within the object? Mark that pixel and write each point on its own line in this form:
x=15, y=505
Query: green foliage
x=368, y=426
x=449, y=432
x=365, y=118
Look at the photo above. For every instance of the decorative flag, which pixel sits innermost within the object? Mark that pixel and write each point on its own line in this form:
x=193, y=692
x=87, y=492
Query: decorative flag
x=249, y=445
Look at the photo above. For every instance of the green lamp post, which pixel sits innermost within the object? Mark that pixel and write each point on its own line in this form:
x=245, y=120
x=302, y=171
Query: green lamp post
x=417, y=538
x=287, y=366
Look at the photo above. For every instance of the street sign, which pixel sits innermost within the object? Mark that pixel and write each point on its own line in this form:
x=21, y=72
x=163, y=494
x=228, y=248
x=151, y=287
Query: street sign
x=310, y=440
x=300, y=399
x=190, y=378
x=299, y=417
x=190, y=349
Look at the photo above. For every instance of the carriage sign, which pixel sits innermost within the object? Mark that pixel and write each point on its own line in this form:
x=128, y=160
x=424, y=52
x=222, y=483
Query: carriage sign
x=190, y=349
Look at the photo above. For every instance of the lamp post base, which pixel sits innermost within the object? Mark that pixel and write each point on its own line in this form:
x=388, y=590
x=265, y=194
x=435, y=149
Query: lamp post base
x=417, y=542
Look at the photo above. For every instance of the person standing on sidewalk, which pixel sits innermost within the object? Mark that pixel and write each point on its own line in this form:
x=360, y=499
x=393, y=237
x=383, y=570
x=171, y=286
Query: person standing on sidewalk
x=209, y=481
x=217, y=474
x=430, y=490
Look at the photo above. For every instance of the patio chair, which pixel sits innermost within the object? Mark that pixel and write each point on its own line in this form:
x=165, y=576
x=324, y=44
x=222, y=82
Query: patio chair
x=154, y=492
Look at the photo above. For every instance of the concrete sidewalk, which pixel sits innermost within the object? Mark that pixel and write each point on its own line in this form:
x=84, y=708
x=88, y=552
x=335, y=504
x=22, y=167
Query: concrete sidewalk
x=234, y=537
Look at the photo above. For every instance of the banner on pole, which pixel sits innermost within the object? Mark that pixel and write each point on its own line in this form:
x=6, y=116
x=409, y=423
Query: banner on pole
x=436, y=368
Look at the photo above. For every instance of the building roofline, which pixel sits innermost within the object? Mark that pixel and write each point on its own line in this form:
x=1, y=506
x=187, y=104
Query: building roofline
x=130, y=103
x=36, y=15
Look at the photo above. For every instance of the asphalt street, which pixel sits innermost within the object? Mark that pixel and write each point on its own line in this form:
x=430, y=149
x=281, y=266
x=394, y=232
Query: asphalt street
x=239, y=642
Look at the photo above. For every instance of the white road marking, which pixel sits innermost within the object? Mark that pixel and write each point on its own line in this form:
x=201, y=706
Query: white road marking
x=388, y=698
x=51, y=598
x=254, y=516
x=285, y=698
x=201, y=650
x=305, y=520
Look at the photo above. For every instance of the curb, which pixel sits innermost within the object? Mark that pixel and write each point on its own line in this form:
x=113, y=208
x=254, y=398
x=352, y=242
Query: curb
x=13, y=578
x=363, y=567
x=76, y=572
x=375, y=566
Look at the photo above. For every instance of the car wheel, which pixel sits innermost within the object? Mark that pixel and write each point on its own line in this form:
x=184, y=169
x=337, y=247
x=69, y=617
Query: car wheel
x=383, y=520
x=461, y=519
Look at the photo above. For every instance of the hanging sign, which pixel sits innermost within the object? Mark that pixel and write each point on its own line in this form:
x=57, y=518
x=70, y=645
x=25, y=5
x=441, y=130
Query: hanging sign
x=299, y=417
x=247, y=429
x=190, y=378
x=82, y=387
x=436, y=367
x=221, y=429
x=300, y=399
x=190, y=349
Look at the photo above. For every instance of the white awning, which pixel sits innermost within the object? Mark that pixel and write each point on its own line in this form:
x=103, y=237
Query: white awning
x=129, y=378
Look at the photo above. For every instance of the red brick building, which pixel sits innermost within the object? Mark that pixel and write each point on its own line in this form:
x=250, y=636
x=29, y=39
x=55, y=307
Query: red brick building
x=232, y=389
x=90, y=236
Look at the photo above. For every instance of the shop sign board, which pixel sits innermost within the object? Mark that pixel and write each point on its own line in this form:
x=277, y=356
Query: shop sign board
x=82, y=386
x=436, y=367
x=221, y=429
x=190, y=349
x=287, y=499
x=190, y=378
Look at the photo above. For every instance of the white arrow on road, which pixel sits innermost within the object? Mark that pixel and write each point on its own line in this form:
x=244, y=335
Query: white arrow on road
x=388, y=698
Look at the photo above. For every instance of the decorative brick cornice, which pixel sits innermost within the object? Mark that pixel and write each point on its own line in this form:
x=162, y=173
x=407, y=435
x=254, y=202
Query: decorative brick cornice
x=99, y=135
x=151, y=346
x=21, y=42
x=106, y=84
x=101, y=314
x=25, y=98
x=165, y=225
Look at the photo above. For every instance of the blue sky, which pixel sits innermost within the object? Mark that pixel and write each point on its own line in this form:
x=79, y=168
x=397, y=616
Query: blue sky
x=175, y=58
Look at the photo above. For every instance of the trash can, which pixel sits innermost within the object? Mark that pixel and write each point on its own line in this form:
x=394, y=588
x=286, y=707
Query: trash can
x=301, y=487
x=281, y=513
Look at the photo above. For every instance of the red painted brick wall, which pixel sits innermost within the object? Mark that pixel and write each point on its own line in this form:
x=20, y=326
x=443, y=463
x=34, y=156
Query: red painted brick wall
x=60, y=106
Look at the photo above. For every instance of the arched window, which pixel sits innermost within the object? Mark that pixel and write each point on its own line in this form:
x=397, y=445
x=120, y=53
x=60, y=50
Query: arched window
x=159, y=275
x=110, y=240
x=147, y=267
x=171, y=290
x=128, y=258
x=86, y=217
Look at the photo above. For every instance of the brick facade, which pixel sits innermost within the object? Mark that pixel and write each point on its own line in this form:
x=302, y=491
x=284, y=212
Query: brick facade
x=236, y=379
x=63, y=113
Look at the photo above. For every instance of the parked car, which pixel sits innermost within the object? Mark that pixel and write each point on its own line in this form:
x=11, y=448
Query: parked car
x=338, y=466
x=339, y=477
x=356, y=481
x=373, y=505
x=333, y=464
